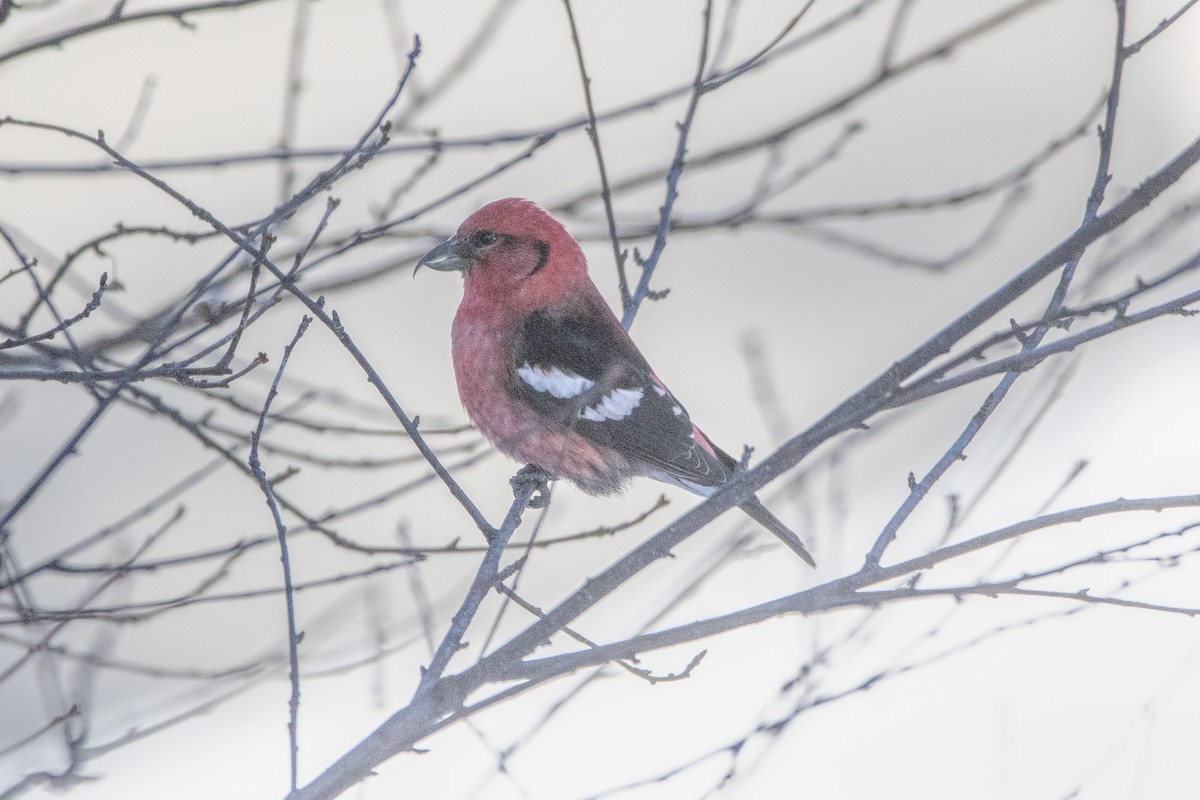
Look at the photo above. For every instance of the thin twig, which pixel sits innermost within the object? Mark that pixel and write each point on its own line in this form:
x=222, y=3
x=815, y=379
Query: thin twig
x=268, y=491
x=91, y=306
x=650, y=262
x=593, y=133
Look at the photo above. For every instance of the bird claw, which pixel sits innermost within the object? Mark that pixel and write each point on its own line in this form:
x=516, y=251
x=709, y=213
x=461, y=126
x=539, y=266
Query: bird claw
x=538, y=478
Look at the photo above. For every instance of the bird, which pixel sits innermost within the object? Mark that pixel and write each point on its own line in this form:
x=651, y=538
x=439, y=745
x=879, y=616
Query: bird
x=549, y=376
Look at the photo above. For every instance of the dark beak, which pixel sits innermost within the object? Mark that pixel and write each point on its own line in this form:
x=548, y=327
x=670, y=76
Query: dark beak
x=451, y=255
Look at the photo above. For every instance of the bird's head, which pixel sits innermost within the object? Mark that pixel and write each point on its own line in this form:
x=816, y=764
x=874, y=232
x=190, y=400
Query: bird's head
x=511, y=252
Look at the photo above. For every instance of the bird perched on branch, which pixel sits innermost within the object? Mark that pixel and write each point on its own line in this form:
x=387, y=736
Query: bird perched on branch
x=549, y=376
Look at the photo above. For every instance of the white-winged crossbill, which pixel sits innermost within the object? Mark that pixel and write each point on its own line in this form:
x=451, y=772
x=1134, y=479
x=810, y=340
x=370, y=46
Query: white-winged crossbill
x=548, y=375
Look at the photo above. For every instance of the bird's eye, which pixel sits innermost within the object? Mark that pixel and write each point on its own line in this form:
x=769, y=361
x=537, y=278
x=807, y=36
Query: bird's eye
x=481, y=239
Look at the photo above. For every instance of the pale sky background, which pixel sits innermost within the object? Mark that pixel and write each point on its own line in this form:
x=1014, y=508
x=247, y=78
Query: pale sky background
x=1102, y=700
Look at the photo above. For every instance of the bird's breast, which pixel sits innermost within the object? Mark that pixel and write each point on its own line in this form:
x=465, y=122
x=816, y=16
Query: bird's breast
x=483, y=370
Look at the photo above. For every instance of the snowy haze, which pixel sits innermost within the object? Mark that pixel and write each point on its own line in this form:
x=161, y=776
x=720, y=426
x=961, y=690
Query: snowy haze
x=768, y=325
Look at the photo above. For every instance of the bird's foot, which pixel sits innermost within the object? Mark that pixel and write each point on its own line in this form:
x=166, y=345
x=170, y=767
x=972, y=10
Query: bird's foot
x=531, y=475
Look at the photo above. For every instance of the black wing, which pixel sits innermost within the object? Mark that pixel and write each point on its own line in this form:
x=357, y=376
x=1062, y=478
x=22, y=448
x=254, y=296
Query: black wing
x=580, y=372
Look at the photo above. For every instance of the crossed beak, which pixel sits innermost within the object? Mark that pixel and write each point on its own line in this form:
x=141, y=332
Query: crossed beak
x=452, y=255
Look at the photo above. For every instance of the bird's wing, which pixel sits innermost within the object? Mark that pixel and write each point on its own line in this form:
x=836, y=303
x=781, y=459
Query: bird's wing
x=580, y=372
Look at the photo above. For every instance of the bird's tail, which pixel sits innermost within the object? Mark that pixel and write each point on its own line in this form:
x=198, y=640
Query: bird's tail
x=759, y=513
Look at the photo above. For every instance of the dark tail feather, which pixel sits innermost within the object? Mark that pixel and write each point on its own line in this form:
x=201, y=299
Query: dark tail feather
x=759, y=513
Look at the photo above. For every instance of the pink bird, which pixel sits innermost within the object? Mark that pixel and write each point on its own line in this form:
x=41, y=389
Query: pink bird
x=549, y=376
